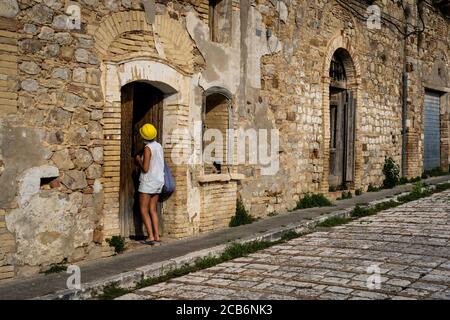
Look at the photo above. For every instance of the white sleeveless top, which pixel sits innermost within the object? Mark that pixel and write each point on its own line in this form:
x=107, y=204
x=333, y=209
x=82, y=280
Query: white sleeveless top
x=155, y=174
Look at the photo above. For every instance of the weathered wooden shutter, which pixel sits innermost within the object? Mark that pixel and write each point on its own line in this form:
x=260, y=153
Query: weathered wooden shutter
x=340, y=138
x=126, y=161
x=350, y=136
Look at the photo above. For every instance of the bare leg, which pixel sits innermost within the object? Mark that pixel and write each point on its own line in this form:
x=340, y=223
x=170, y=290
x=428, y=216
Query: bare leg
x=144, y=200
x=154, y=214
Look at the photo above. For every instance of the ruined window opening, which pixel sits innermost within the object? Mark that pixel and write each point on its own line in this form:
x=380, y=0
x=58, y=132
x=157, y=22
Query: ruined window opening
x=220, y=20
x=49, y=183
x=337, y=69
x=216, y=116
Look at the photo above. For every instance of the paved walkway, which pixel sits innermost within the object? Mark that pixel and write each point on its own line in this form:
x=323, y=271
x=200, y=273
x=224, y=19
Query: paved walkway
x=92, y=271
x=409, y=246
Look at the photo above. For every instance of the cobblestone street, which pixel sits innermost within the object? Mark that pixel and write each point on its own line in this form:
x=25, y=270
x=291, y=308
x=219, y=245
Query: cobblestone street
x=409, y=244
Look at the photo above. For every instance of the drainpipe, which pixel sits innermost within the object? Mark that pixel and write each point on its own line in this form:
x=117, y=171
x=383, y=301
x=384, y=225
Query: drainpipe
x=404, y=97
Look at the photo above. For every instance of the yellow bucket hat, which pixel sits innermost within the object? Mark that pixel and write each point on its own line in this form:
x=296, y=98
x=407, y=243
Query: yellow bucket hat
x=148, y=131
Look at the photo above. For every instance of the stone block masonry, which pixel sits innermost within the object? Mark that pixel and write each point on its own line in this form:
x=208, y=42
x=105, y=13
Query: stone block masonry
x=61, y=103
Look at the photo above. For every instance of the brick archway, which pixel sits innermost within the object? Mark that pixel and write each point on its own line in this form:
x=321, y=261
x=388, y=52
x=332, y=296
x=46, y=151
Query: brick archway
x=353, y=70
x=176, y=89
x=161, y=54
x=168, y=40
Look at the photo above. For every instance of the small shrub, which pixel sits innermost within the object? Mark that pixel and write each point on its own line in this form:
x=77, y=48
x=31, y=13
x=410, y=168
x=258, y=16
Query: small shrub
x=273, y=214
x=313, y=201
x=419, y=191
x=372, y=188
x=331, y=189
x=290, y=235
x=206, y=262
x=242, y=216
x=359, y=212
x=345, y=195
x=403, y=180
x=414, y=180
x=424, y=175
x=437, y=172
x=391, y=172
x=237, y=250
x=442, y=187
x=386, y=205
x=359, y=192
x=57, y=268
x=113, y=291
x=117, y=242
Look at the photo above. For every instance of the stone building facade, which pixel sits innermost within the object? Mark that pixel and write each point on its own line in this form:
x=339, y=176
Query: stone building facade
x=78, y=77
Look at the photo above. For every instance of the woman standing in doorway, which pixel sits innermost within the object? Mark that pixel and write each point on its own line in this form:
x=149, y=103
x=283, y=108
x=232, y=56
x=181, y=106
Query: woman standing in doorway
x=151, y=182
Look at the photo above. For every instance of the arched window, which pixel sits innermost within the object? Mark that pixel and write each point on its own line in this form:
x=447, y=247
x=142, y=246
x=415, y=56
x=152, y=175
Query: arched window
x=216, y=122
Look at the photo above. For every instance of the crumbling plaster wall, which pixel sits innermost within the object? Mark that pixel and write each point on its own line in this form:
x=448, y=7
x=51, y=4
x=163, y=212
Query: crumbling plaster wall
x=237, y=66
x=221, y=62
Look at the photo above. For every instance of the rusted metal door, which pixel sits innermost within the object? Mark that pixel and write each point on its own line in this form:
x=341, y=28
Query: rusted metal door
x=141, y=103
x=432, y=134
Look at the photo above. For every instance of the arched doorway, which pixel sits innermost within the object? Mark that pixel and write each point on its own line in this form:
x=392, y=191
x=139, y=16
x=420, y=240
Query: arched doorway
x=342, y=115
x=141, y=103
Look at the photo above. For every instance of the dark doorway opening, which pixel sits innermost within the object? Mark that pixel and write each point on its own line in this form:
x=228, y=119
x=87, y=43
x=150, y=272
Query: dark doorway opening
x=141, y=103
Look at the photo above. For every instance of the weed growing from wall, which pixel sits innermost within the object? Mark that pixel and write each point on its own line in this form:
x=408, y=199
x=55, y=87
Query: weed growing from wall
x=242, y=216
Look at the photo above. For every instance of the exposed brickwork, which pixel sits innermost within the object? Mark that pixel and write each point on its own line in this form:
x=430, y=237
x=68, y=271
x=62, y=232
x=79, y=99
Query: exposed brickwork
x=167, y=32
x=218, y=205
x=8, y=66
x=216, y=118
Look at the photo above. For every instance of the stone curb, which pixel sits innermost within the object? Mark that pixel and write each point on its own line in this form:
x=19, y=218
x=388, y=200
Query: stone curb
x=131, y=278
x=128, y=280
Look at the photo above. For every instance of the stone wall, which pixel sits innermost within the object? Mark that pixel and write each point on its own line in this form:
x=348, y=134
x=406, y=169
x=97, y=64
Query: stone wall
x=60, y=110
x=294, y=96
x=8, y=105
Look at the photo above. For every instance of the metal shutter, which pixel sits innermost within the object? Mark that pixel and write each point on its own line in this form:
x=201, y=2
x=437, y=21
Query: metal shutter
x=432, y=150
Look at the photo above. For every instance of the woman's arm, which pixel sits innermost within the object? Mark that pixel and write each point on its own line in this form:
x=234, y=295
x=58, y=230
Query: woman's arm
x=144, y=162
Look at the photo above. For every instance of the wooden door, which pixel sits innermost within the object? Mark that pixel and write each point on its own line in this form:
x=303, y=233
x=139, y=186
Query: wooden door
x=342, y=137
x=141, y=103
x=126, y=192
x=337, y=136
x=350, y=118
